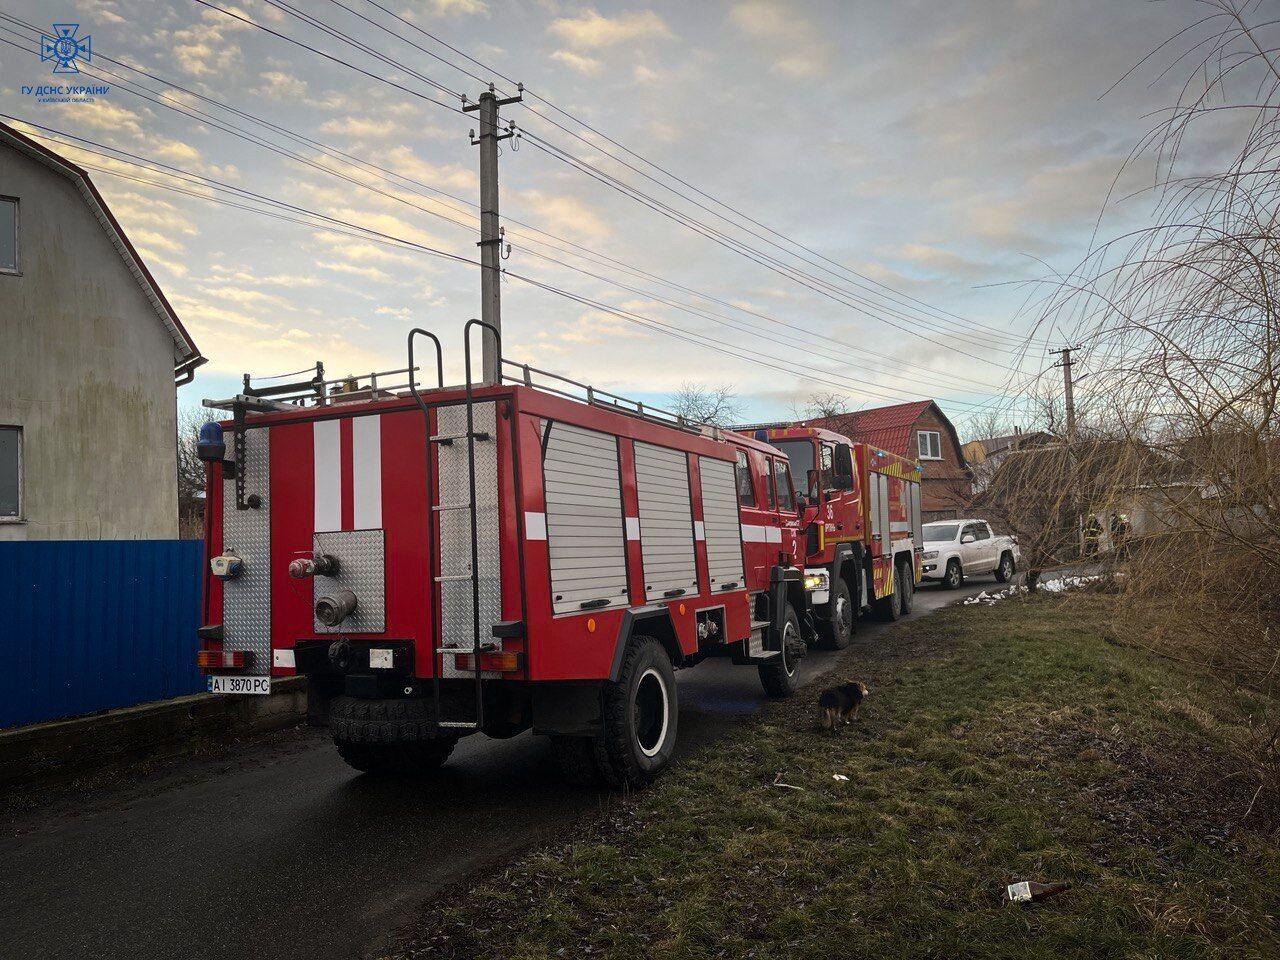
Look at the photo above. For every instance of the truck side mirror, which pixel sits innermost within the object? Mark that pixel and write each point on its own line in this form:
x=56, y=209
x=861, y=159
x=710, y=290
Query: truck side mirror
x=968, y=538
x=843, y=481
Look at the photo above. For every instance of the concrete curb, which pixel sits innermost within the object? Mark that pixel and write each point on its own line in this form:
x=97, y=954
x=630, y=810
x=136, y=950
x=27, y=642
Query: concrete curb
x=63, y=748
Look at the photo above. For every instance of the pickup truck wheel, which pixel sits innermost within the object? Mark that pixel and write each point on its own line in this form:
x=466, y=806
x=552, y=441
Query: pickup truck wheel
x=836, y=623
x=954, y=575
x=778, y=674
x=1006, y=568
x=640, y=714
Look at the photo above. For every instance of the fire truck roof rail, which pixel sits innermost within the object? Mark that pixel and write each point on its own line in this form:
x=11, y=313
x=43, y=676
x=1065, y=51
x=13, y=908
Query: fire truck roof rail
x=584, y=392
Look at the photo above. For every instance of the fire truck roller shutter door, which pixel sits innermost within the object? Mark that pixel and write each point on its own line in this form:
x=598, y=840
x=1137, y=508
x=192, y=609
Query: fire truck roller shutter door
x=720, y=520
x=666, y=522
x=584, y=519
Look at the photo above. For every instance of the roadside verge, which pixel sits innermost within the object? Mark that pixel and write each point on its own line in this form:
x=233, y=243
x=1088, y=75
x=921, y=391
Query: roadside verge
x=1000, y=743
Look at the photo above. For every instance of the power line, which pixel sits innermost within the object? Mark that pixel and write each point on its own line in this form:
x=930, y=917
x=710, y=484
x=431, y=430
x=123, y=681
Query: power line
x=647, y=162
x=732, y=244
x=183, y=110
x=328, y=223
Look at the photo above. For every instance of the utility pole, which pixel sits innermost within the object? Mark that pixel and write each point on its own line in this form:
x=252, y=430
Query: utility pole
x=1068, y=391
x=490, y=232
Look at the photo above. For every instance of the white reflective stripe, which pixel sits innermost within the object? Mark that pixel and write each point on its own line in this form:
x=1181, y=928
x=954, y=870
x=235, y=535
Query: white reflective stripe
x=282, y=658
x=366, y=472
x=773, y=534
x=633, y=528
x=752, y=533
x=535, y=525
x=699, y=530
x=899, y=526
x=327, y=443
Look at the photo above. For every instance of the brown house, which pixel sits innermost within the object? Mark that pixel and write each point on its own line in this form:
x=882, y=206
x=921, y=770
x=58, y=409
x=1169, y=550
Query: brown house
x=917, y=430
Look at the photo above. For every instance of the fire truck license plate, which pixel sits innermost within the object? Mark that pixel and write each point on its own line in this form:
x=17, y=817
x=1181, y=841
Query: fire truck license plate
x=239, y=684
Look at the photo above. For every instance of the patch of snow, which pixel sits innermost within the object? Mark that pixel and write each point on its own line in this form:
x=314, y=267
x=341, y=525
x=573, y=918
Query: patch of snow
x=1059, y=585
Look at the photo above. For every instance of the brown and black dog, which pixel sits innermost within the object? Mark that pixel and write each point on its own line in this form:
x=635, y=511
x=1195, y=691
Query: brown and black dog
x=840, y=704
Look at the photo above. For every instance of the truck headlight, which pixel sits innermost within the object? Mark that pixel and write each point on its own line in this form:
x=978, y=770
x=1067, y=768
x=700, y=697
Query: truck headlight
x=815, y=581
x=930, y=555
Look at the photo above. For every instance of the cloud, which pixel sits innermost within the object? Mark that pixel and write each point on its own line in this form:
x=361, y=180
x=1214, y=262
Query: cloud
x=595, y=326
x=279, y=85
x=562, y=213
x=939, y=260
x=367, y=273
x=577, y=62
x=353, y=126
x=593, y=30
x=799, y=49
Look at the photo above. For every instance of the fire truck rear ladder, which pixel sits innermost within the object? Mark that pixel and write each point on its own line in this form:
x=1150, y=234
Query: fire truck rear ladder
x=473, y=572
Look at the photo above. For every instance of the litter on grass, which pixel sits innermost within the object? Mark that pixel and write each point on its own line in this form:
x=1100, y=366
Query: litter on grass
x=1048, y=586
x=838, y=776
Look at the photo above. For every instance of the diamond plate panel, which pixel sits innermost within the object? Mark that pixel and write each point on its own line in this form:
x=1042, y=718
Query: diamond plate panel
x=246, y=600
x=455, y=532
x=362, y=569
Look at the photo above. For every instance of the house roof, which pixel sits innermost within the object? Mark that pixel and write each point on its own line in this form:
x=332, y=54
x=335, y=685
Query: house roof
x=889, y=428
x=186, y=355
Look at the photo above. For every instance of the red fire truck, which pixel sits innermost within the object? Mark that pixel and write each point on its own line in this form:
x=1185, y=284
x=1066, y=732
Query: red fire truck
x=536, y=555
x=862, y=526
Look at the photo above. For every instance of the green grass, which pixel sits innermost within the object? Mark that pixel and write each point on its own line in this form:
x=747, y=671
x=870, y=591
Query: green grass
x=999, y=743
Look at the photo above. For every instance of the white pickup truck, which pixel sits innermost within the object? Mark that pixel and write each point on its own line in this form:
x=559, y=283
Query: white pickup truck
x=955, y=549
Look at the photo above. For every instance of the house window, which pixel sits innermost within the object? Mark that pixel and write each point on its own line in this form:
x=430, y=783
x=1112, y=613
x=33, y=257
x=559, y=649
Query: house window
x=930, y=444
x=746, y=492
x=10, y=473
x=8, y=235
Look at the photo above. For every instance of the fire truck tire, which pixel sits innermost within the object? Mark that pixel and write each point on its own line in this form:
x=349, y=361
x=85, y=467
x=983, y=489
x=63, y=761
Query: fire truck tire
x=907, y=580
x=387, y=736
x=889, y=608
x=836, y=622
x=778, y=675
x=576, y=758
x=640, y=714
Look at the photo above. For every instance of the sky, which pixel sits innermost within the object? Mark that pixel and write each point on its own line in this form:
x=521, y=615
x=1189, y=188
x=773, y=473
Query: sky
x=935, y=161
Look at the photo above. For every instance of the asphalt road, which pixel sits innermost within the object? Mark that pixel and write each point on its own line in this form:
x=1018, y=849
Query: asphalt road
x=282, y=851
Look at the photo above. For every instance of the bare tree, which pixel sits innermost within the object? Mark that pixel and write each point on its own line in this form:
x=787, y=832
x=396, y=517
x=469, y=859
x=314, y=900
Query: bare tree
x=190, y=473
x=825, y=404
x=703, y=403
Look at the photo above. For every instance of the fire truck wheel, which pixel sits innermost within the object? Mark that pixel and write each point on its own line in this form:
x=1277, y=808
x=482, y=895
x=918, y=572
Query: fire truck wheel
x=889, y=608
x=954, y=575
x=387, y=736
x=836, y=621
x=576, y=758
x=778, y=675
x=907, y=582
x=640, y=713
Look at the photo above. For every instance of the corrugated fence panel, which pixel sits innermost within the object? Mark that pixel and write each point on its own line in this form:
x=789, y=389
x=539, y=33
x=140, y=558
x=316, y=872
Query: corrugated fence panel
x=95, y=624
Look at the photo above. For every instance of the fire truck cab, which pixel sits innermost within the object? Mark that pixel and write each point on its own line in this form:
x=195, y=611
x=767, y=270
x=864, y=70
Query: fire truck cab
x=535, y=554
x=862, y=526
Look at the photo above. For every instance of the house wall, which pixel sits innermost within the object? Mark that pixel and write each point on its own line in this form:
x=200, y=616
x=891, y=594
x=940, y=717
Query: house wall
x=945, y=490
x=86, y=369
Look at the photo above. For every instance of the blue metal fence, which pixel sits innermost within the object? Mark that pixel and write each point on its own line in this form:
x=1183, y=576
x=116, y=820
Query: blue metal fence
x=87, y=625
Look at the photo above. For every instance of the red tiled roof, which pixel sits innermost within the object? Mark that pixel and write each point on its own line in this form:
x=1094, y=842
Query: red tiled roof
x=886, y=427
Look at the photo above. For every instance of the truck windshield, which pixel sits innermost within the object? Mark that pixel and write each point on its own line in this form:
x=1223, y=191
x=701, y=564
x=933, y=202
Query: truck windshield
x=934, y=532
x=800, y=453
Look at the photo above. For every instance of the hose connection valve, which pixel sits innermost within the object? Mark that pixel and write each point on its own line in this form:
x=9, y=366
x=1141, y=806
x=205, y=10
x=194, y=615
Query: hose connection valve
x=228, y=566
x=321, y=565
x=333, y=608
